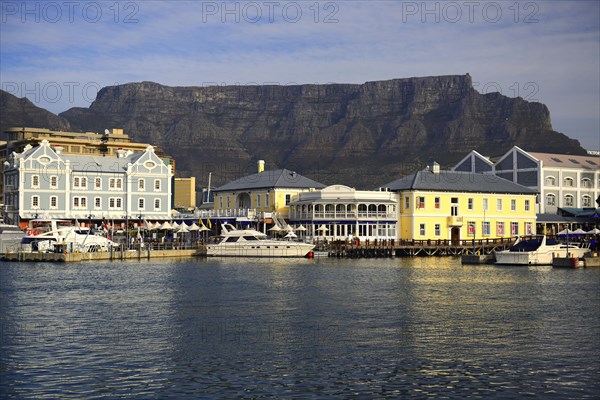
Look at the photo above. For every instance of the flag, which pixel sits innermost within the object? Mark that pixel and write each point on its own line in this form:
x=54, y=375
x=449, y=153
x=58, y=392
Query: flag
x=209, y=223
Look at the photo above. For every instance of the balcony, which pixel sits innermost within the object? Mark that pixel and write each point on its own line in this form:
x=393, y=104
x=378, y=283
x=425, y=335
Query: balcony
x=454, y=221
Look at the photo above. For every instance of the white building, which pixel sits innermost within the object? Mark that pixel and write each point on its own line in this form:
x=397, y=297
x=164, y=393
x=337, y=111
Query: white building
x=41, y=182
x=337, y=212
x=562, y=181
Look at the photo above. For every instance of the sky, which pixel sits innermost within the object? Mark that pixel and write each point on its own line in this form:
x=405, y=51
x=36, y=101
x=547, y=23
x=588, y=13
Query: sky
x=60, y=53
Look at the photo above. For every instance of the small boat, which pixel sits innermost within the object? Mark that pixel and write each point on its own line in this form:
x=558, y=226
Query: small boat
x=538, y=250
x=252, y=243
x=51, y=235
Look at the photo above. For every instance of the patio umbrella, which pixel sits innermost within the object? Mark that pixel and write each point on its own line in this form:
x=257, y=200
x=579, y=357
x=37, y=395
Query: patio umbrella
x=565, y=232
x=166, y=226
x=579, y=231
x=149, y=225
x=322, y=228
x=594, y=231
x=194, y=227
x=175, y=225
x=183, y=228
x=275, y=229
x=301, y=228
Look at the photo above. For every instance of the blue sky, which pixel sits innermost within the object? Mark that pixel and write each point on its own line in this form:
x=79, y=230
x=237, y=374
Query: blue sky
x=58, y=54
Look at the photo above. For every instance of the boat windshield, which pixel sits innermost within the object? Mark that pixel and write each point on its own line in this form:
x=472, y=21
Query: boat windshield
x=231, y=239
x=248, y=238
x=531, y=244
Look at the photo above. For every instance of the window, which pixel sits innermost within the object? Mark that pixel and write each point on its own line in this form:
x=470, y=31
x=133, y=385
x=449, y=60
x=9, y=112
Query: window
x=436, y=203
x=53, y=202
x=84, y=183
x=141, y=184
x=437, y=230
x=514, y=229
x=471, y=228
x=288, y=199
x=513, y=205
x=586, y=201
x=228, y=202
x=586, y=183
x=35, y=201
x=267, y=200
x=119, y=202
x=97, y=202
x=111, y=183
x=111, y=202
x=485, y=228
x=119, y=183
x=76, y=182
x=528, y=228
x=550, y=181
x=258, y=200
x=76, y=202
x=568, y=182
x=569, y=200
x=156, y=204
x=98, y=183
x=527, y=205
x=470, y=204
x=35, y=181
x=406, y=203
x=550, y=199
x=421, y=202
x=422, y=229
x=485, y=204
x=140, y=204
x=156, y=185
x=499, y=204
x=53, y=182
x=574, y=161
x=83, y=202
x=221, y=202
x=500, y=228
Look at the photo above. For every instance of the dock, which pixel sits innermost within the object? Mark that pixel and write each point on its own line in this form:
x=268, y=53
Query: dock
x=483, y=249
x=119, y=254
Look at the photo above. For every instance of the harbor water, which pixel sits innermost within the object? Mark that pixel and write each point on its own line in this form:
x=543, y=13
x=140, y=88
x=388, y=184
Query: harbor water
x=270, y=328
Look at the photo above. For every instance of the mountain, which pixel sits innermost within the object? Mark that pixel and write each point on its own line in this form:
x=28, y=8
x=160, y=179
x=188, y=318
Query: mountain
x=362, y=135
x=15, y=112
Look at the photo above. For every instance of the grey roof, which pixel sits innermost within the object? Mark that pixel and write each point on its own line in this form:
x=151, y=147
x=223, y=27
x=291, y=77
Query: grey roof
x=279, y=178
x=454, y=181
x=93, y=163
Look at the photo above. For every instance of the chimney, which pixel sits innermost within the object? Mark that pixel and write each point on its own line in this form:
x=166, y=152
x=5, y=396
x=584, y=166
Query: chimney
x=120, y=153
x=436, y=168
x=261, y=166
x=58, y=149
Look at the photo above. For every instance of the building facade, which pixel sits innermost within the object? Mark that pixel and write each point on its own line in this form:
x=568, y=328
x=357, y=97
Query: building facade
x=562, y=181
x=459, y=206
x=338, y=212
x=42, y=182
x=266, y=192
x=184, y=193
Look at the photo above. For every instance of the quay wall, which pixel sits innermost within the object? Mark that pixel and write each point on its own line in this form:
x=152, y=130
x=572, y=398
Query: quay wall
x=104, y=256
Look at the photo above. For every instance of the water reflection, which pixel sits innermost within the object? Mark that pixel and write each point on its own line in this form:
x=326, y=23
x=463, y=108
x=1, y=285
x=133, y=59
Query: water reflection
x=293, y=328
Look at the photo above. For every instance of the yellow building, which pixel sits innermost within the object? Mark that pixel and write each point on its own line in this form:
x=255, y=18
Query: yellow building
x=455, y=206
x=266, y=191
x=184, y=193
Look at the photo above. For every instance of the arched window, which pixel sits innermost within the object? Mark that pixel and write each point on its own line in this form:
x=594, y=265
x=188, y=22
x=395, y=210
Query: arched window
x=586, y=183
x=569, y=200
x=550, y=199
x=568, y=182
x=586, y=201
x=340, y=208
x=382, y=208
x=550, y=181
x=372, y=208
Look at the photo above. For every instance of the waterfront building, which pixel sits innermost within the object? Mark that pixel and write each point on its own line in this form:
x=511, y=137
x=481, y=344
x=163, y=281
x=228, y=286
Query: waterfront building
x=339, y=212
x=561, y=181
x=184, y=193
x=77, y=143
x=266, y=192
x=458, y=206
x=44, y=182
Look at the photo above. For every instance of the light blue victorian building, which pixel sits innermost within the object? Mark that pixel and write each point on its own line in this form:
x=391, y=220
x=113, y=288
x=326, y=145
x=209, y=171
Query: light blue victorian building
x=41, y=182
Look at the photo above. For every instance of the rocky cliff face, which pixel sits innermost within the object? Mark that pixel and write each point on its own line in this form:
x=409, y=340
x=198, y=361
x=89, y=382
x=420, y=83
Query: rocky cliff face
x=15, y=112
x=361, y=135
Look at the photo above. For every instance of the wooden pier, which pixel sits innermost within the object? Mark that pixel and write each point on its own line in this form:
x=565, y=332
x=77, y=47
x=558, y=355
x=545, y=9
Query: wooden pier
x=414, y=248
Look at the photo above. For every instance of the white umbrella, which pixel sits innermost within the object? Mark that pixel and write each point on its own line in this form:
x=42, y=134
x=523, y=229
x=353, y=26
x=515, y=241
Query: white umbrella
x=322, y=228
x=194, y=227
x=175, y=225
x=594, y=231
x=579, y=231
x=149, y=225
x=301, y=228
x=275, y=229
x=166, y=226
x=290, y=235
x=565, y=232
x=203, y=228
x=183, y=228
x=289, y=228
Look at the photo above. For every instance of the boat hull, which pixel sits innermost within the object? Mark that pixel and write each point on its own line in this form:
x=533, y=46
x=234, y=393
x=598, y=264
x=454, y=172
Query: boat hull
x=538, y=257
x=280, y=249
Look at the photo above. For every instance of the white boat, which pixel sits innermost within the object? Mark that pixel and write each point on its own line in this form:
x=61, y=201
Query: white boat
x=537, y=250
x=252, y=243
x=58, y=235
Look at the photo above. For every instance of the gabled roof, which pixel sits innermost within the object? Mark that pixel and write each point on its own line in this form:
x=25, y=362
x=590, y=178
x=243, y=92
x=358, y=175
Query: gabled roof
x=453, y=181
x=279, y=178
